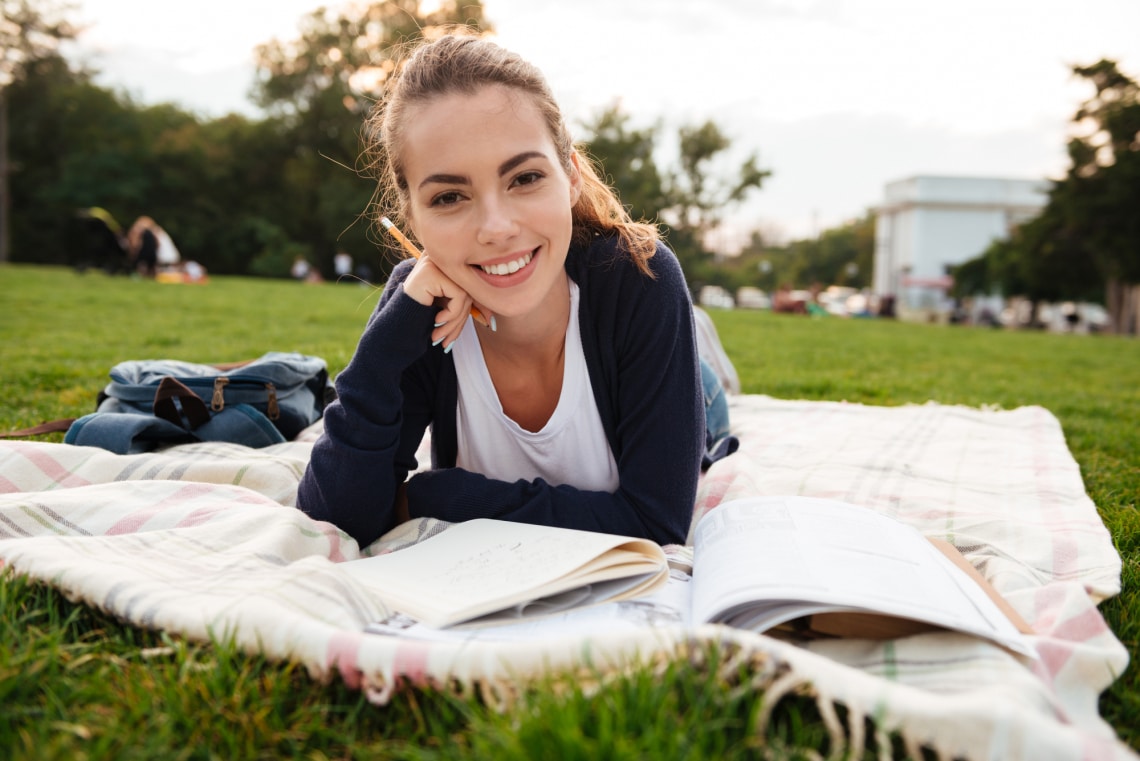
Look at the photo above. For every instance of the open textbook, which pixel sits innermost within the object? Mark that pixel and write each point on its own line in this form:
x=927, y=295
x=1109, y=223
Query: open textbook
x=791, y=566
x=486, y=571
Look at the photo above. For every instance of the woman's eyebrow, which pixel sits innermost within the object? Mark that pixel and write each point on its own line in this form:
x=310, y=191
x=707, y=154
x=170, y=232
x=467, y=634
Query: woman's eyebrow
x=514, y=161
x=445, y=179
x=504, y=168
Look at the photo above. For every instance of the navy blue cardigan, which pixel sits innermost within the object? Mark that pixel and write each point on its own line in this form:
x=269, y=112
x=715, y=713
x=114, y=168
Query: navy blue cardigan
x=640, y=347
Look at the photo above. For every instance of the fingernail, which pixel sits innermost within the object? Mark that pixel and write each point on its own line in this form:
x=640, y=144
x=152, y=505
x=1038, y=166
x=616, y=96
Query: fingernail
x=447, y=349
x=494, y=326
x=440, y=324
x=436, y=341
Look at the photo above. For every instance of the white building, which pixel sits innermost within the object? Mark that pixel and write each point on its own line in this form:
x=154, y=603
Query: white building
x=927, y=224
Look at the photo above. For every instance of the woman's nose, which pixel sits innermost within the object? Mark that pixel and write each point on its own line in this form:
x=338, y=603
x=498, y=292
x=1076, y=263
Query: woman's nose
x=496, y=222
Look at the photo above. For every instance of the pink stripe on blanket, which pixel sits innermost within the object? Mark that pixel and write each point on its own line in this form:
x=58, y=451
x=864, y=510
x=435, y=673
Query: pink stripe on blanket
x=8, y=487
x=342, y=653
x=200, y=516
x=712, y=489
x=333, y=536
x=1058, y=646
x=1052, y=499
x=1082, y=628
x=136, y=520
x=411, y=661
x=204, y=514
x=1066, y=556
x=37, y=455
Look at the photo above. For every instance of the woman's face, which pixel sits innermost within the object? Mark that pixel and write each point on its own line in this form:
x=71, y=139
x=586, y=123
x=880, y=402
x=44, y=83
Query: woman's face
x=489, y=199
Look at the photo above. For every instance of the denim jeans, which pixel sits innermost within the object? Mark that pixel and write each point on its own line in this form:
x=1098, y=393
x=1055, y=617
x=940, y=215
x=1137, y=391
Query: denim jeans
x=716, y=405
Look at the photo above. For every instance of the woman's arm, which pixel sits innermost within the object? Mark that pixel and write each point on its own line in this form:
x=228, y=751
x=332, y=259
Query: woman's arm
x=372, y=430
x=640, y=345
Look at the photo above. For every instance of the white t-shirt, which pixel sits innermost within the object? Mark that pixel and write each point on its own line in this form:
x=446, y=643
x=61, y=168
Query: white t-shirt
x=571, y=449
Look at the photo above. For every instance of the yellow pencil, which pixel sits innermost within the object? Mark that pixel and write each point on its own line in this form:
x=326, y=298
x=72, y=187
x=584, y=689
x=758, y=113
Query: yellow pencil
x=415, y=252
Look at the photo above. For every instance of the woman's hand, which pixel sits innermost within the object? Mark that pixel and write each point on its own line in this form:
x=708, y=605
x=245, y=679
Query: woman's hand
x=428, y=285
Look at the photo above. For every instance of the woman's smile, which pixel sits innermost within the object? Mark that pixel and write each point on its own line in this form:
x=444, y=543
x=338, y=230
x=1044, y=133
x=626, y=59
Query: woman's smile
x=508, y=272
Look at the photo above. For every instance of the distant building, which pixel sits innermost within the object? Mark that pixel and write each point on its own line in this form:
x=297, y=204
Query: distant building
x=928, y=224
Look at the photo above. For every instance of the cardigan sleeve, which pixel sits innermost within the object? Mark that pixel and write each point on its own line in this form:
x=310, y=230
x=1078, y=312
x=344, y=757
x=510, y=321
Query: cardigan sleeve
x=372, y=429
x=640, y=345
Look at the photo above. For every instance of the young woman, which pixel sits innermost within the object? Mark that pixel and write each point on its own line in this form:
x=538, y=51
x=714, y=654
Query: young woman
x=579, y=402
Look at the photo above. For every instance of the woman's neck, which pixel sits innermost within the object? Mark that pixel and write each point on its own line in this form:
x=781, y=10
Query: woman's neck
x=534, y=337
x=526, y=359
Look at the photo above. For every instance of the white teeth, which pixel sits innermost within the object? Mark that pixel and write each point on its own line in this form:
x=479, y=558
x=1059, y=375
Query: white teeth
x=508, y=268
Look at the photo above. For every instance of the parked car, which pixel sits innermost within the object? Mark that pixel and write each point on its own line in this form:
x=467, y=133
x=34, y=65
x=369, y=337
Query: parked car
x=715, y=297
x=749, y=297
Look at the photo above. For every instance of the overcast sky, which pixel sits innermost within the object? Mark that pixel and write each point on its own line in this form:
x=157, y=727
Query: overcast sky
x=837, y=98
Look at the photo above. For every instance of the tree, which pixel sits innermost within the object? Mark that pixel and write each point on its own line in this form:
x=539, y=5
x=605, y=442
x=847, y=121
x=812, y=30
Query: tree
x=1096, y=203
x=1087, y=237
x=625, y=157
x=72, y=145
x=321, y=86
x=689, y=200
x=215, y=185
x=840, y=255
x=28, y=32
x=698, y=196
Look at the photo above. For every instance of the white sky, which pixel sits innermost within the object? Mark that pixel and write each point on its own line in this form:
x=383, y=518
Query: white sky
x=838, y=97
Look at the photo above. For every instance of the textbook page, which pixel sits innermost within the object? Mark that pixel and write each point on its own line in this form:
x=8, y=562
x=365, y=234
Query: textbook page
x=666, y=607
x=760, y=562
x=484, y=566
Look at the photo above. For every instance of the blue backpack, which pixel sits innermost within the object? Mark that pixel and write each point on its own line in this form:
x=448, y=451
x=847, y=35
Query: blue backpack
x=155, y=403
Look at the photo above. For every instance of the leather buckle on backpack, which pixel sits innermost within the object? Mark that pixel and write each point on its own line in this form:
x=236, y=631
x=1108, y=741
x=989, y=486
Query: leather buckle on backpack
x=272, y=411
x=218, y=401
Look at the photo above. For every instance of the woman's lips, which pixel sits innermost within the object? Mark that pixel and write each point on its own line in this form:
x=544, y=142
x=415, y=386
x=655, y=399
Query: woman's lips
x=508, y=268
x=510, y=272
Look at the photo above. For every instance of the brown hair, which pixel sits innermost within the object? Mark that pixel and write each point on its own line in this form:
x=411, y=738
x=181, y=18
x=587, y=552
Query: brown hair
x=463, y=63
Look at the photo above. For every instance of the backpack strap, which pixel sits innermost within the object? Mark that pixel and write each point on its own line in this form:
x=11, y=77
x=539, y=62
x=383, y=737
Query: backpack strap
x=169, y=390
x=51, y=426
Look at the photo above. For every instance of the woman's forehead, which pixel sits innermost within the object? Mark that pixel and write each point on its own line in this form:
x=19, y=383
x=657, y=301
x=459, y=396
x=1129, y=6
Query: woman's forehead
x=491, y=101
x=489, y=124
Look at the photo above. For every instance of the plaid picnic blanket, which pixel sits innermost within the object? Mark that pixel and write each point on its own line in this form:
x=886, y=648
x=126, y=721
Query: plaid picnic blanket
x=202, y=540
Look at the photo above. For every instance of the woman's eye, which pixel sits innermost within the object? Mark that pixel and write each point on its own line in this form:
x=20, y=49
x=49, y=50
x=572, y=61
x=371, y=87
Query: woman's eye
x=446, y=199
x=528, y=178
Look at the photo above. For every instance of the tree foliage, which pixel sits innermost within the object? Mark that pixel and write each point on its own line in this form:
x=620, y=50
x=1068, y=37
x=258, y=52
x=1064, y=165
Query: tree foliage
x=842, y=255
x=247, y=196
x=625, y=157
x=689, y=198
x=699, y=197
x=29, y=32
x=344, y=58
x=238, y=195
x=321, y=85
x=77, y=145
x=1087, y=238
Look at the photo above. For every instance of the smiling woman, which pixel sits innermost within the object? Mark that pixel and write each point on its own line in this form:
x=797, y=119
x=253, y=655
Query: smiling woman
x=492, y=210
x=579, y=403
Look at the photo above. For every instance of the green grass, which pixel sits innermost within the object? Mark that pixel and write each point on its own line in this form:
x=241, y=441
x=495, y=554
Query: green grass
x=77, y=684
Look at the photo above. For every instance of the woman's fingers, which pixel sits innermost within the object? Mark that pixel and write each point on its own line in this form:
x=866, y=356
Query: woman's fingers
x=428, y=284
x=450, y=320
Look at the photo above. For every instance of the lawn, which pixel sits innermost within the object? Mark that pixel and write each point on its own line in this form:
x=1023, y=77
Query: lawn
x=75, y=683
